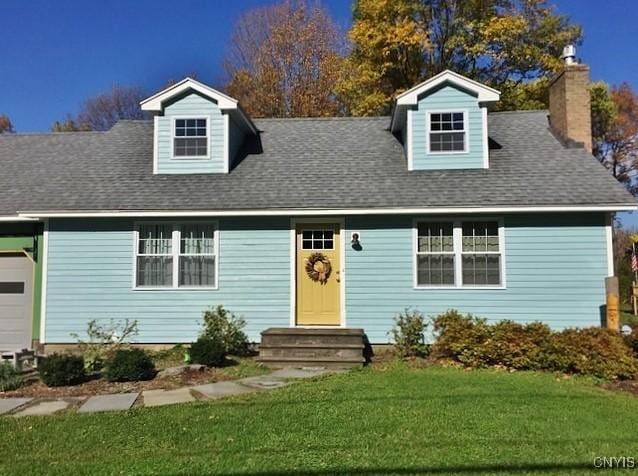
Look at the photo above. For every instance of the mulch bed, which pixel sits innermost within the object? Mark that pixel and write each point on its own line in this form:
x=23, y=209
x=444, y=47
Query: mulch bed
x=629, y=386
x=100, y=386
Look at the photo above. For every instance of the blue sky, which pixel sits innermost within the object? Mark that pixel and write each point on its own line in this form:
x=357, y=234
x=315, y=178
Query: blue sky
x=56, y=53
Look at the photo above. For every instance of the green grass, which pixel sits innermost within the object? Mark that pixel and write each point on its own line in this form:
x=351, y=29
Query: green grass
x=392, y=420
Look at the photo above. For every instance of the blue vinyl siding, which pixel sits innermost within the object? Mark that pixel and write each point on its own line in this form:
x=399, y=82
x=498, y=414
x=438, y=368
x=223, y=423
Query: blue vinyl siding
x=555, y=271
x=196, y=106
x=444, y=99
x=90, y=276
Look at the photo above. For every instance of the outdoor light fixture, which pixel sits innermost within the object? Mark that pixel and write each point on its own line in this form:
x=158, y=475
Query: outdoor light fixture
x=355, y=237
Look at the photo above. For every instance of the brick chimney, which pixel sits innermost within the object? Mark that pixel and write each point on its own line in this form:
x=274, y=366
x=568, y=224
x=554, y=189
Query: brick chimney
x=569, y=101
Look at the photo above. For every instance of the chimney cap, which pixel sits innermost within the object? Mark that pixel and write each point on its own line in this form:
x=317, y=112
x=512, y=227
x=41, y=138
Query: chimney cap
x=569, y=55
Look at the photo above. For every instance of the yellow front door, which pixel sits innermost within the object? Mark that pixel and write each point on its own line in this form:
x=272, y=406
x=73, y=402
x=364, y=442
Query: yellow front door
x=318, y=291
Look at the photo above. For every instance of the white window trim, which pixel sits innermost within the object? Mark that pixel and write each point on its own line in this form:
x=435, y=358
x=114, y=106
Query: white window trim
x=457, y=224
x=208, y=135
x=466, y=131
x=175, y=253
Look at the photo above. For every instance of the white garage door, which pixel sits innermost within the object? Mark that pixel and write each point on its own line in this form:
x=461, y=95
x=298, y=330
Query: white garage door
x=16, y=308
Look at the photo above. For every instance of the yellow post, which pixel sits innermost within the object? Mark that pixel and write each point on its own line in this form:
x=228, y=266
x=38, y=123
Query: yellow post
x=612, y=314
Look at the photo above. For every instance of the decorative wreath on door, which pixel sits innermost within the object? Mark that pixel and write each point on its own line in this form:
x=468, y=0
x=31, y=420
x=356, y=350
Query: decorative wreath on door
x=318, y=267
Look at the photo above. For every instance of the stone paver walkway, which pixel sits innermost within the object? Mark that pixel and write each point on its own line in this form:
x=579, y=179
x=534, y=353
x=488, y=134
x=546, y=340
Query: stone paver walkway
x=109, y=403
x=154, y=398
x=44, y=408
x=10, y=404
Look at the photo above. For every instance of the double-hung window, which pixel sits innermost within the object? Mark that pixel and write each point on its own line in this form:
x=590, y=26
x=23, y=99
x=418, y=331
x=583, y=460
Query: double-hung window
x=447, y=132
x=176, y=256
x=190, y=138
x=459, y=254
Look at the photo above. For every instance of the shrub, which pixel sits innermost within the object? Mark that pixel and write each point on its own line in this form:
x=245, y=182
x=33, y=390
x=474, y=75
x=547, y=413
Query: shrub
x=592, y=351
x=474, y=343
x=632, y=341
x=207, y=351
x=128, y=365
x=10, y=377
x=104, y=341
x=57, y=370
x=225, y=327
x=408, y=334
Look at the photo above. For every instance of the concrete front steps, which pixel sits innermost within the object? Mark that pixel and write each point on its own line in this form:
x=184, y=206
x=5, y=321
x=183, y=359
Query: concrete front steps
x=312, y=347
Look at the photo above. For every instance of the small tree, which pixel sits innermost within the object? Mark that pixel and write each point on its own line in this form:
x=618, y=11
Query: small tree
x=223, y=326
x=408, y=334
x=104, y=341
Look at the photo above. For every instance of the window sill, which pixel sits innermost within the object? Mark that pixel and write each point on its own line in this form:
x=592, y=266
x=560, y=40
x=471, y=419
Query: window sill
x=193, y=157
x=180, y=289
x=460, y=288
x=448, y=152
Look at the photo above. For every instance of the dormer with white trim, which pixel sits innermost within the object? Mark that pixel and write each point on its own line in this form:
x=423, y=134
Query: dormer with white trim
x=197, y=129
x=443, y=123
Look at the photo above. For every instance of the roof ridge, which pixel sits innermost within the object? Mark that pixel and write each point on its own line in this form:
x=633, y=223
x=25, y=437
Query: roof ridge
x=325, y=118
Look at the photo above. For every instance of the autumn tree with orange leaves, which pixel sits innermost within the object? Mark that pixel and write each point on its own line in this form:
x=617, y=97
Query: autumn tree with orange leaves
x=284, y=60
x=5, y=124
x=615, y=130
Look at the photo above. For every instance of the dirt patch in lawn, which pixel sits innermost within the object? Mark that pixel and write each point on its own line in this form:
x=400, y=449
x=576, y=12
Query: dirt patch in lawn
x=628, y=386
x=100, y=386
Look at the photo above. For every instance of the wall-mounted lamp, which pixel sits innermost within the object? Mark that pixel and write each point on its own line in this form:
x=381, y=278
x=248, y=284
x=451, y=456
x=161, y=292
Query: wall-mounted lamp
x=355, y=240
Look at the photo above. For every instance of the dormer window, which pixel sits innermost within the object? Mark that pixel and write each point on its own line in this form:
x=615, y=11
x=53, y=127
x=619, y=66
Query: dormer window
x=190, y=138
x=447, y=132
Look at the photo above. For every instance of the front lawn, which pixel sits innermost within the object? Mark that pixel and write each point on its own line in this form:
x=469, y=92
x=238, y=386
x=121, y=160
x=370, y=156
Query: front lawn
x=384, y=420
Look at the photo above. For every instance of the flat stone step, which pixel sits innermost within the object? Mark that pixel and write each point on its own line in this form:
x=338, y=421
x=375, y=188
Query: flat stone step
x=109, y=403
x=319, y=345
x=329, y=363
x=313, y=331
x=44, y=408
x=156, y=398
x=223, y=389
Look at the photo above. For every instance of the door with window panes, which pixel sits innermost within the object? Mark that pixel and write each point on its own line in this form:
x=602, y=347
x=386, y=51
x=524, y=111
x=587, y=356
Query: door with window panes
x=318, y=303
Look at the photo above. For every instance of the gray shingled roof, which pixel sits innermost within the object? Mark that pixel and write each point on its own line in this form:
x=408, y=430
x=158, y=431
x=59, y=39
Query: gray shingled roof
x=304, y=163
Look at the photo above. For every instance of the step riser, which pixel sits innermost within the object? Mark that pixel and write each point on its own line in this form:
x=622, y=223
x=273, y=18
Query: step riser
x=305, y=353
x=274, y=340
x=311, y=364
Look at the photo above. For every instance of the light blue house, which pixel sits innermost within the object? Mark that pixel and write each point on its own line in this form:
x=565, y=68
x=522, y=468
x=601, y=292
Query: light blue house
x=303, y=223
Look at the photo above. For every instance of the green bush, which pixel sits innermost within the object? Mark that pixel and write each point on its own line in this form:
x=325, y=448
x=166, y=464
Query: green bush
x=632, y=341
x=474, y=343
x=408, y=334
x=57, y=370
x=591, y=351
x=129, y=365
x=208, y=351
x=10, y=377
x=225, y=327
x=104, y=340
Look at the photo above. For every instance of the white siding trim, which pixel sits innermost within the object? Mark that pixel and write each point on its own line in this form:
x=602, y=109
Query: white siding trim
x=293, y=268
x=486, y=145
x=226, y=143
x=408, y=140
x=43, y=292
x=322, y=212
x=155, y=145
x=609, y=235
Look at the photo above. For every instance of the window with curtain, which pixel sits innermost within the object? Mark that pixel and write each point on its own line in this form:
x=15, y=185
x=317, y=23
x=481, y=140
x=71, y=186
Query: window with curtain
x=458, y=254
x=435, y=254
x=481, y=256
x=197, y=255
x=176, y=255
x=155, y=256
